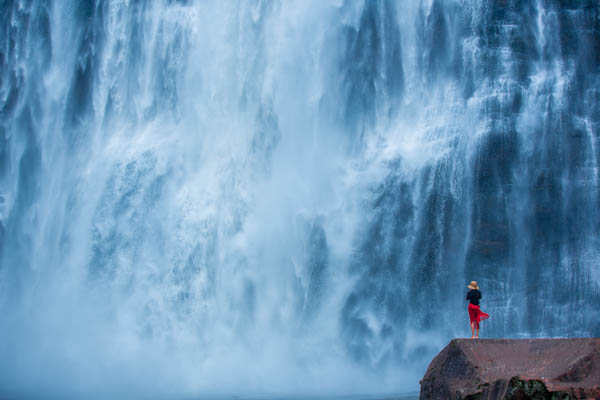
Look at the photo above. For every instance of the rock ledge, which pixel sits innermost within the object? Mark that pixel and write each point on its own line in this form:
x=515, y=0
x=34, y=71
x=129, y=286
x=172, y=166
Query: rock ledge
x=489, y=369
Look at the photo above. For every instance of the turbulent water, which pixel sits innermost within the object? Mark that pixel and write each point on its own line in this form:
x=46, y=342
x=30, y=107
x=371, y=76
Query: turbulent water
x=202, y=197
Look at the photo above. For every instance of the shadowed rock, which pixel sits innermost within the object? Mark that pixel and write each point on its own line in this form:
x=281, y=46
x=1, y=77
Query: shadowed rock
x=489, y=369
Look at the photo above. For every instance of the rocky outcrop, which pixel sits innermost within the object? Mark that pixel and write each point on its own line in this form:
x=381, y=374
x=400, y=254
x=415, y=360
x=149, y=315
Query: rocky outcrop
x=490, y=369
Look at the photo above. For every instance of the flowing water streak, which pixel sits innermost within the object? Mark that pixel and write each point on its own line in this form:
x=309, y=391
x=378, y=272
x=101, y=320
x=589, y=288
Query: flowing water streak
x=289, y=196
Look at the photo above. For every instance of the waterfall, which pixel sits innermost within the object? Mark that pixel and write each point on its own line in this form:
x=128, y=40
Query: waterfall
x=219, y=197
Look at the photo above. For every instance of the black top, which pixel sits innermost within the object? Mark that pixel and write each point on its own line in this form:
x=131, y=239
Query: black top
x=473, y=296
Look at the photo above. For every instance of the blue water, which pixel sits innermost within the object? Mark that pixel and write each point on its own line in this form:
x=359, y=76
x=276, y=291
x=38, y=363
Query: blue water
x=408, y=396
x=202, y=197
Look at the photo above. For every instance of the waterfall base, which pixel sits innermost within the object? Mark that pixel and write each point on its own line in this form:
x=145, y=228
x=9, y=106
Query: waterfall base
x=515, y=369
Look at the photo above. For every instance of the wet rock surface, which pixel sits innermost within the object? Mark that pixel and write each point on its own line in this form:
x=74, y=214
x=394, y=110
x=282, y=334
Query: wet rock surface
x=490, y=369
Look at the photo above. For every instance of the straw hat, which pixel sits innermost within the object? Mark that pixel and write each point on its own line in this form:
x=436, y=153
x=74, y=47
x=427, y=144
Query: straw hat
x=473, y=285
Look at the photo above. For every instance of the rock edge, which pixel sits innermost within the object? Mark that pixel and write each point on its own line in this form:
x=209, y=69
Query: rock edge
x=490, y=369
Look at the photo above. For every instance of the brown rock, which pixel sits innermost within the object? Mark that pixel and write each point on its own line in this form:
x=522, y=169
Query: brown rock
x=490, y=369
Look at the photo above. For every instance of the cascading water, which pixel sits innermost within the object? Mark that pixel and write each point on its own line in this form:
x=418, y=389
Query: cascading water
x=202, y=197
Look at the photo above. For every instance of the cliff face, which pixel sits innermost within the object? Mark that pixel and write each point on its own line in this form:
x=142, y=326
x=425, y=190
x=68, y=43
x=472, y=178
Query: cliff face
x=490, y=369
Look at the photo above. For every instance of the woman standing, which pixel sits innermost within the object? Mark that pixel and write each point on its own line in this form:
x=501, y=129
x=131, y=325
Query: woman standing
x=475, y=314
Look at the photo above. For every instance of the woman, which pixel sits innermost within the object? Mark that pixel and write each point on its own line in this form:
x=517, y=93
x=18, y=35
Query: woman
x=475, y=314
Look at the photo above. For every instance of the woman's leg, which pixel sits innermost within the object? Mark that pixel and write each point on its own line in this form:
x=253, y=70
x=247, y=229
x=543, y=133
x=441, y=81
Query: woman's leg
x=472, y=330
x=477, y=332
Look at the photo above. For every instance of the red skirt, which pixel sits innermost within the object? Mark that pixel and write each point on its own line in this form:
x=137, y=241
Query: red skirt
x=476, y=315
